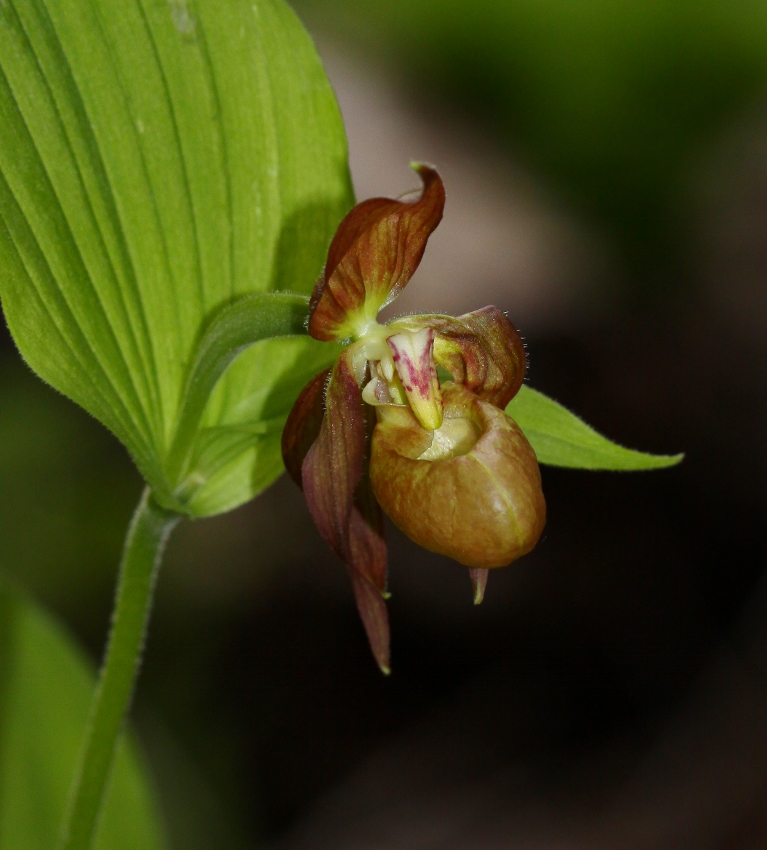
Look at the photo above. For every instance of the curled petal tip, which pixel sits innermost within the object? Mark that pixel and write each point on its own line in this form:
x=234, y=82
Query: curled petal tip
x=422, y=168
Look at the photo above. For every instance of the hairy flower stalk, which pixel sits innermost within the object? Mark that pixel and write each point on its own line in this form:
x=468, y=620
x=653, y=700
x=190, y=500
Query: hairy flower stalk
x=379, y=433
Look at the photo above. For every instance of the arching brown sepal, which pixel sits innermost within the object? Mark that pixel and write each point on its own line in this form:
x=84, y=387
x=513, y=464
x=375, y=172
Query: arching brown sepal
x=373, y=255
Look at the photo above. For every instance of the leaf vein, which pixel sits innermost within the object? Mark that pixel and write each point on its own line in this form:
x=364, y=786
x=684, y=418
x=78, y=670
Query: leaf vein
x=86, y=276
x=80, y=107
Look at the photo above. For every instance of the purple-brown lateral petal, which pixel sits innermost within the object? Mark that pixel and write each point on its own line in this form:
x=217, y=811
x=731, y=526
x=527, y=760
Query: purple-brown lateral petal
x=366, y=522
x=333, y=465
x=338, y=493
x=375, y=619
x=482, y=350
x=367, y=567
x=303, y=425
x=373, y=255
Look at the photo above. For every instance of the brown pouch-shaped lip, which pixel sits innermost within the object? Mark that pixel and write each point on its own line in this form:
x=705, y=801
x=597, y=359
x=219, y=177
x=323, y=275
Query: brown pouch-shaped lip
x=484, y=508
x=482, y=350
x=375, y=251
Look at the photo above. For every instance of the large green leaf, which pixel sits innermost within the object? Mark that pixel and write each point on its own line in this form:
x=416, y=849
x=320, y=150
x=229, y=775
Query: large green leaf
x=560, y=438
x=46, y=687
x=158, y=160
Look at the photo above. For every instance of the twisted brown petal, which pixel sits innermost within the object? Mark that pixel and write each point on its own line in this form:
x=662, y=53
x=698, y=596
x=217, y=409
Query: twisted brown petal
x=337, y=490
x=482, y=350
x=373, y=255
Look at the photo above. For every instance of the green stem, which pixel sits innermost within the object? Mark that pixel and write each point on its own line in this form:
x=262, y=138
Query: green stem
x=148, y=532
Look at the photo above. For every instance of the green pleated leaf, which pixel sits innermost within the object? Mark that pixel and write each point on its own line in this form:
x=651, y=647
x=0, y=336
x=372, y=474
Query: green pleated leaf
x=46, y=687
x=560, y=438
x=158, y=160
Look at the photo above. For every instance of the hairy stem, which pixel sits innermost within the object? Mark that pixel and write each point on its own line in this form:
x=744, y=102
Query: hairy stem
x=148, y=532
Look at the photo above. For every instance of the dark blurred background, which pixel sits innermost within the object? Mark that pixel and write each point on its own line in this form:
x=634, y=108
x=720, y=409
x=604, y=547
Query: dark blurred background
x=606, y=168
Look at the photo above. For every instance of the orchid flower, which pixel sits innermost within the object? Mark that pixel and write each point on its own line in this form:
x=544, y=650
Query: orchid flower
x=379, y=433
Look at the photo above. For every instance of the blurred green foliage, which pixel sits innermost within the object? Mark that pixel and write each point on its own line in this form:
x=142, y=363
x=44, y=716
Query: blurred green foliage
x=609, y=102
x=45, y=694
x=66, y=495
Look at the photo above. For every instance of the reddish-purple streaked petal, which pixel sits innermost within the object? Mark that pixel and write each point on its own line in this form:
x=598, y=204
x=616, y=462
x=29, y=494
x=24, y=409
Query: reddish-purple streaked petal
x=337, y=489
x=373, y=255
x=303, y=425
x=482, y=350
x=414, y=362
x=478, y=578
x=367, y=564
x=367, y=546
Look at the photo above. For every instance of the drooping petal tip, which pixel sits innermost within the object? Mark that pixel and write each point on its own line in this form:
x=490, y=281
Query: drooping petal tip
x=375, y=619
x=479, y=583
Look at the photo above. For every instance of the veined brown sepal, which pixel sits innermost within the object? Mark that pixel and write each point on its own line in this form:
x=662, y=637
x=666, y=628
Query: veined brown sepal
x=373, y=255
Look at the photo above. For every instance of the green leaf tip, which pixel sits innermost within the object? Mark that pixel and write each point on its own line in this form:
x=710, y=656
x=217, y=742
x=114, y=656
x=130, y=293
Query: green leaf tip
x=560, y=438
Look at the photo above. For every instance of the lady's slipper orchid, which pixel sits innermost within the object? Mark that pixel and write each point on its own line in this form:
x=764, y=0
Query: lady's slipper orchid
x=377, y=431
